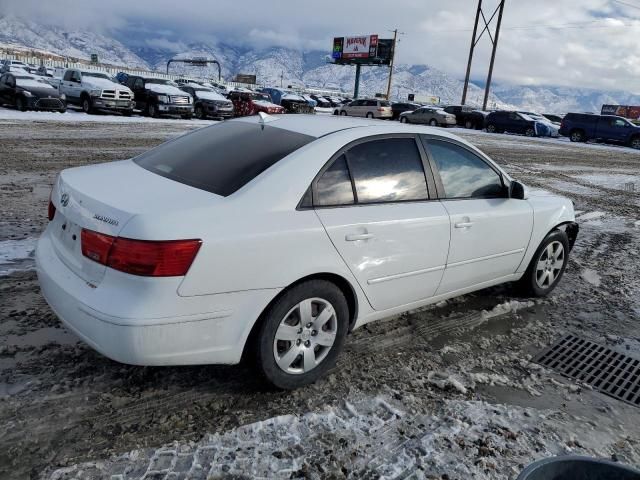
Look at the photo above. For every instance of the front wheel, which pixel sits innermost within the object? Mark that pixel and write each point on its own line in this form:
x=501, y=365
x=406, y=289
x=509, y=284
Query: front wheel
x=468, y=124
x=404, y=120
x=530, y=132
x=302, y=334
x=20, y=104
x=547, y=265
x=369, y=115
x=635, y=143
x=491, y=128
x=152, y=110
x=433, y=122
x=577, y=136
x=87, y=107
x=343, y=113
x=200, y=113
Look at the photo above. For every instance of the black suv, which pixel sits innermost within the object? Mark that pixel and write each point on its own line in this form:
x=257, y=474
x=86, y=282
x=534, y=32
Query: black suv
x=466, y=116
x=207, y=102
x=157, y=96
x=399, y=107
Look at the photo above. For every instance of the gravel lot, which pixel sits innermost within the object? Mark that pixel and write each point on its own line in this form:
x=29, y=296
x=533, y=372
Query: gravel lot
x=447, y=390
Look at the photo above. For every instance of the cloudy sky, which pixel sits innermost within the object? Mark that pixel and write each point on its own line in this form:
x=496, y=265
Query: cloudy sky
x=578, y=43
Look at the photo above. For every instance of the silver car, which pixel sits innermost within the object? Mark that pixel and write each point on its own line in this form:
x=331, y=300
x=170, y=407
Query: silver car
x=366, y=107
x=430, y=115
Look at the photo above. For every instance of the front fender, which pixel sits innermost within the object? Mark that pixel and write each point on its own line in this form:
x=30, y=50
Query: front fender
x=549, y=213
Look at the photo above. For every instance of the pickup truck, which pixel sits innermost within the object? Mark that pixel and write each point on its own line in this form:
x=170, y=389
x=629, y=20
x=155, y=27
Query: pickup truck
x=94, y=91
x=157, y=96
x=581, y=127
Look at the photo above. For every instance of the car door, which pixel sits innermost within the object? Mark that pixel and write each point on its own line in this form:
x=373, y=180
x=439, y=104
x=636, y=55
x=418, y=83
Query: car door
x=489, y=231
x=618, y=129
x=374, y=203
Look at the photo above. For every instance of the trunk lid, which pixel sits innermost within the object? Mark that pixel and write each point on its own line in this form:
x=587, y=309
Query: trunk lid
x=103, y=198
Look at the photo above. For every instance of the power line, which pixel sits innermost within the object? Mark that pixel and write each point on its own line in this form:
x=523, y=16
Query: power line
x=627, y=4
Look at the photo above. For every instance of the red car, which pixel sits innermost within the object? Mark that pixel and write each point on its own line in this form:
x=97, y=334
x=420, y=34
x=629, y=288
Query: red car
x=250, y=103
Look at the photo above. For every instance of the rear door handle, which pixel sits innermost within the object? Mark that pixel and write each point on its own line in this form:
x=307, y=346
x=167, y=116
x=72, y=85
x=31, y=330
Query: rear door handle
x=358, y=236
x=464, y=224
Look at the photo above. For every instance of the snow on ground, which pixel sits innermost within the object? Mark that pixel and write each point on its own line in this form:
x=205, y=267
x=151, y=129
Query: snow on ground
x=16, y=255
x=379, y=437
x=609, y=180
x=591, y=276
x=8, y=114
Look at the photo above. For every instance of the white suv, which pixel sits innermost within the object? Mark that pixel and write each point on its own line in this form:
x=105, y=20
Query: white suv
x=366, y=107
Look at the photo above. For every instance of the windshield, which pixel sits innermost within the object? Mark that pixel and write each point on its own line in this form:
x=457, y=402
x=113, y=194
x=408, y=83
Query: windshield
x=160, y=81
x=222, y=158
x=96, y=75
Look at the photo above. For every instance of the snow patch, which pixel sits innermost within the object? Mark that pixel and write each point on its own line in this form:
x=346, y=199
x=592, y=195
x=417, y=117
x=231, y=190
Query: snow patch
x=511, y=306
x=16, y=255
x=591, y=216
x=591, y=276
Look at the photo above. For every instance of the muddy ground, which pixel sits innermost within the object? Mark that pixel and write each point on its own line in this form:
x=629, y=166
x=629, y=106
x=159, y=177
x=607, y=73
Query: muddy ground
x=446, y=392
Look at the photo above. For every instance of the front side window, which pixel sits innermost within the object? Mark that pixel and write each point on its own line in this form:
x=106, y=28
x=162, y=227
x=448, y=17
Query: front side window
x=387, y=170
x=333, y=188
x=463, y=173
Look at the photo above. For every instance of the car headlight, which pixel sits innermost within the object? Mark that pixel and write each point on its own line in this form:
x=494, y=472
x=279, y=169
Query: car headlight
x=95, y=93
x=27, y=94
x=63, y=96
x=163, y=98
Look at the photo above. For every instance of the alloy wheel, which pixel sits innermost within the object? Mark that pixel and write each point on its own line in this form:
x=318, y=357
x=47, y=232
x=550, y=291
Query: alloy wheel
x=530, y=132
x=305, y=336
x=550, y=265
x=491, y=128
x=635, y=143
x=433, y=122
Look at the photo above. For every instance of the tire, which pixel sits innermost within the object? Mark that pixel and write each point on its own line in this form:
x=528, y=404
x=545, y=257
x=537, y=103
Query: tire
x=343, y=113
x=404, y=120
x=530, y=132
x=282, y=318
x=369, y=115
x=433, y=122
x=20, y=104
x=152, y=110
x=127, y=113
x=199, y=112
x=547, y=265
x=63, y=110
x=468, y=124
x=635, y=142
x=577, y=136
x=87, y=107
x=491, y=128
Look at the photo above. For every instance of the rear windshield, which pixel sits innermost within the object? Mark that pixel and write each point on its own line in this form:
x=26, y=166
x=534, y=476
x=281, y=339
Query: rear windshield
x=222, y=158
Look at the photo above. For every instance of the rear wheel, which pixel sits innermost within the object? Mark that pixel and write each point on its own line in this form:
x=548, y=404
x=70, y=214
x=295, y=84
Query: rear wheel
x=343, y=113
x=369, y=115
x=404, y=120
x=577, y=136
x=547, y=265
x=302, y=334
x=433, y=122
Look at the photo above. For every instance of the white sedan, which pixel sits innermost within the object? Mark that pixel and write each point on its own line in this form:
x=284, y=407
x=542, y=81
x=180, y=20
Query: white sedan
x=276, y=236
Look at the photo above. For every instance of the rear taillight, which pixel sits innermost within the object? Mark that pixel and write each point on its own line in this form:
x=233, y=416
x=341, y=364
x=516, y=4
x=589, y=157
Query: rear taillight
x=164, y=258
x=52, y=210
x=381, y=109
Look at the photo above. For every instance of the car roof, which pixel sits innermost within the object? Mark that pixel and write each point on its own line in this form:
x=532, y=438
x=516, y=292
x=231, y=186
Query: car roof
x=321, y=125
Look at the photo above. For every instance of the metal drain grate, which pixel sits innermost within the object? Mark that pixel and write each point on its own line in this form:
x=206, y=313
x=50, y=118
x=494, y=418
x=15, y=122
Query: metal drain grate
x=611, y=372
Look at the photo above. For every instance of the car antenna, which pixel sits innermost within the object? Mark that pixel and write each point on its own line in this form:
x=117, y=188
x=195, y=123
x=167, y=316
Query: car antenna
x=265, y=118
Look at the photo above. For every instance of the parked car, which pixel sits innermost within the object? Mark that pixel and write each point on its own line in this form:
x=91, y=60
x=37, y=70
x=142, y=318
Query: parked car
x=466, y=116
x=366, y=107
x=581, y=127
x=45, y=71
x=399, y=107
x=290, y=101
x=312, y=102
x=185, y=261
x=94, y=91
x=323, y=102
x=429, y=115
x=207, y=102
x=553, y=117
x=514, y=122
x=158, y=96
x=247, y=102
x=7, y=65
x=28, y=92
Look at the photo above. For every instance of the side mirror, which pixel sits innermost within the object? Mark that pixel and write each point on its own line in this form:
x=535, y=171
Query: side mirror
x=517, y=190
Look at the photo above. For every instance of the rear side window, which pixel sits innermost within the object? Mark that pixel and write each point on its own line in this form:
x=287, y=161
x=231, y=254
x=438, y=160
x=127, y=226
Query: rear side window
x=222, y=158
x=464, y=174
x=334, y=186
x=388, y=170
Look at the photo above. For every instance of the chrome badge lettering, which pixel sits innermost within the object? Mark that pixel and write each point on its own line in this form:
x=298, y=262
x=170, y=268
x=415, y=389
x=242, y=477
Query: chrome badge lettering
x=104, y=219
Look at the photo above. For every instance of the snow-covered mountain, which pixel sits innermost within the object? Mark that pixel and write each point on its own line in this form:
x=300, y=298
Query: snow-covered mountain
x=281, y=66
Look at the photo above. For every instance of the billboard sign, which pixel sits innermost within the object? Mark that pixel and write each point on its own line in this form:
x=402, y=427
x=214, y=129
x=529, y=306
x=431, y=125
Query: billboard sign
x=627, y=111
x=359, y=46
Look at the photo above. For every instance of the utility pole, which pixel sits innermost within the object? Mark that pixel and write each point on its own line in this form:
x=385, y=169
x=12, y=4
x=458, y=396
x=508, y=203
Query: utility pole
x=356, y=89
x=474, y=41
x=393, y=56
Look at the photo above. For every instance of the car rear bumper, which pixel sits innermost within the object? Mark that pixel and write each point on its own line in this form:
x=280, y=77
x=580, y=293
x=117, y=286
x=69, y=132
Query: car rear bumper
x=209, y=329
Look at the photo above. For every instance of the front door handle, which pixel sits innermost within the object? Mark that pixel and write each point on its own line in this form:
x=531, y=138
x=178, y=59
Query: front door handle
x=463, y=224
x=358, y=236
